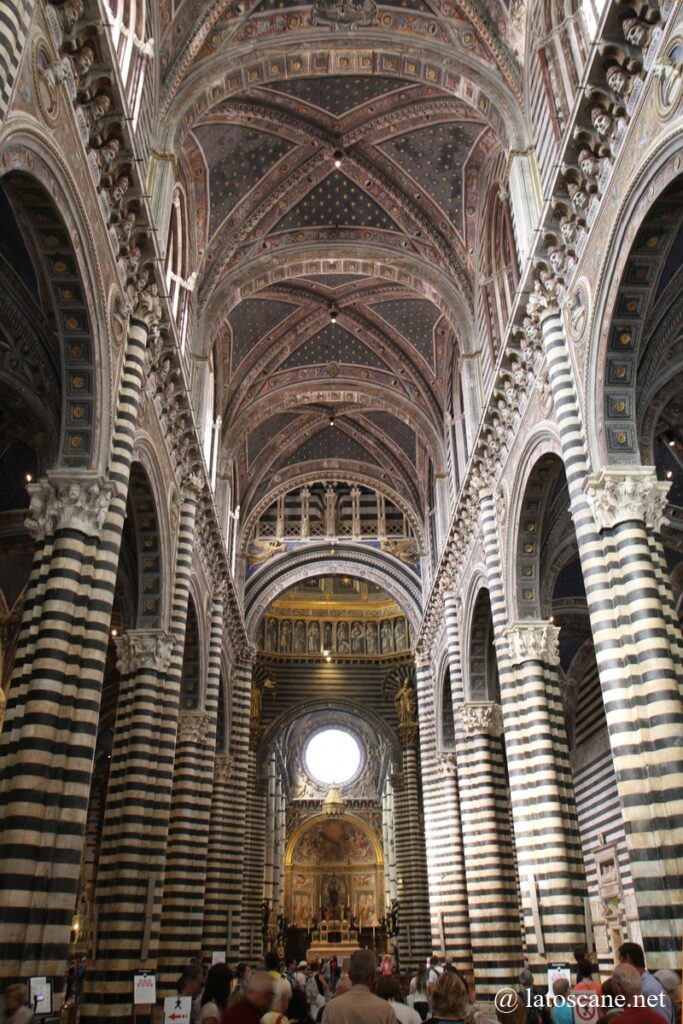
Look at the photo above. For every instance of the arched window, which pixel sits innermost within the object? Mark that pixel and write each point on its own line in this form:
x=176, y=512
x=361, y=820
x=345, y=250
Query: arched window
x=178, y=285
x=501, y=271
x=128, y=25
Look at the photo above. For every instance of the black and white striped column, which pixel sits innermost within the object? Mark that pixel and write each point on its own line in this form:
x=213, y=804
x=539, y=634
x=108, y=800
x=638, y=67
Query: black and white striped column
x=492, y=887
x=644, y=718
x=227, y=840
x=254, y=856
x=415, y=942
x=133, y=845
x=549, y=857
x=443, y=838
x=48, y=742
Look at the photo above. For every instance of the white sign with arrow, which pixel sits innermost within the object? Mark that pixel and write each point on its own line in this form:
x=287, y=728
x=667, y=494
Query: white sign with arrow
x=177, y=1009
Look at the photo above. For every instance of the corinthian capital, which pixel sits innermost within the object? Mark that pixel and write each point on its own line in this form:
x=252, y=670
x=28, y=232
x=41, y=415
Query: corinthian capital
x=620, y=494
x=144, y=649
x=193, y=727
x=222, y=771
x=481, y=718
x=147, y=307
x=534, y=641
x=66, y=499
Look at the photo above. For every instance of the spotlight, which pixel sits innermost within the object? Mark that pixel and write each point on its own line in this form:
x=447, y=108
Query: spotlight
x=328, y=658
x=114, y=632
x=672, y=444
x=338, y=157
x=332, y=419
x=28, y=478
x=334, y=313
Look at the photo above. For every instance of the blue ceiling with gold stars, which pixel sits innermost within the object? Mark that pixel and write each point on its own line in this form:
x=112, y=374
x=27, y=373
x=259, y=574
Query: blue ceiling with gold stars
x=237, y=159
x=400, y=432
x=435, y=157
x=341, y=93
x=333, y=344
x=415, y=320
x=336, y=202
x=330, y=443
x=251, y=320
x=262, y=434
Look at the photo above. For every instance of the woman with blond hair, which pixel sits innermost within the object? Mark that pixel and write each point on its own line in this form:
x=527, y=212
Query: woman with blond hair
x=450, y=999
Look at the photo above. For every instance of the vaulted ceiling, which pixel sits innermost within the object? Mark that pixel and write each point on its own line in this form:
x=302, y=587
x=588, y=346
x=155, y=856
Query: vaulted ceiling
x=335, y=177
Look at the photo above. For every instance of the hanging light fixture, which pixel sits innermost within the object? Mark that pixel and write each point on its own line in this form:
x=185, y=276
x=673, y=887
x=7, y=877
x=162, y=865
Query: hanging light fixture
x=338, y=156
x=333, y=805
x=334, y=313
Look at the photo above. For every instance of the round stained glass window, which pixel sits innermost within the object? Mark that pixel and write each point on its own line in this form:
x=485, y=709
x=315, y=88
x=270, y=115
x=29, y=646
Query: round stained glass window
x=332, y=756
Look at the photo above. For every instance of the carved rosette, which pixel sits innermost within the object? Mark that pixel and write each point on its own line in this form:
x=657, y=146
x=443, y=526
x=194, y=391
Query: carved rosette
x=144, y=649
x=534, y=641
x=622, y=494
x=223, y=767
x=76, y=501
x=481, y=718
x=193, y=727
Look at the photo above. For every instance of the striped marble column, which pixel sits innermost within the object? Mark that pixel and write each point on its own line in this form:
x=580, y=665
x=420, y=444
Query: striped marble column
x=488, y=854
x=225, y=858
x=492, y=889
x=253, y=858
x=411, y=863
x=644, y=719
x=443, y=838
x=553, y=922
x=190, y=733
x=549, y=857
x=133, y=845
x=645, y=713
x=217, y=919
x=47, y=745
x=188, y=838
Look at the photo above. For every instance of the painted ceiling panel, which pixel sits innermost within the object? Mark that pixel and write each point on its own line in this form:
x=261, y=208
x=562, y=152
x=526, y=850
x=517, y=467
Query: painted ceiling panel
x=260, y=437
x=251, y=320
x=415, y=320
x=278, y=5
x=400, y=432
x=336, y=202
x=339, y=94
x=237, y=158
x=435, y=157
x=333, y=345
x=330, y=443
x=333, y=280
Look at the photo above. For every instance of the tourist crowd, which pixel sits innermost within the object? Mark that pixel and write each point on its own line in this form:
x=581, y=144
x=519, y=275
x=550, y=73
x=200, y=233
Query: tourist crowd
x=304, y=993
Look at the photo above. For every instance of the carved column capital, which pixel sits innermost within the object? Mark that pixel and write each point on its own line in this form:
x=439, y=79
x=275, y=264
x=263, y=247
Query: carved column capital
x=533, y=641
x=193, y=727
x=147, y=307
x=144, y=649
x=223, y=768
x=446, y=762
x=423, y=658
x=397, y=780
x=481, y=718
x=246, y=655
x=619, y=494
x=69, y=499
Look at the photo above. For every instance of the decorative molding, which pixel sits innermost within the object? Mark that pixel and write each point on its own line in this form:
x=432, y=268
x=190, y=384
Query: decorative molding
x=481, y=718
x=139, y=649
x=533, y=641
x=620, y=495
x=223, y=769
x=68, y=500
x=193, y=727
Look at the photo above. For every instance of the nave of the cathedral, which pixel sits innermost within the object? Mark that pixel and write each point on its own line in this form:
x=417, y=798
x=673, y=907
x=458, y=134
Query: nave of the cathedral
x=341, y=490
